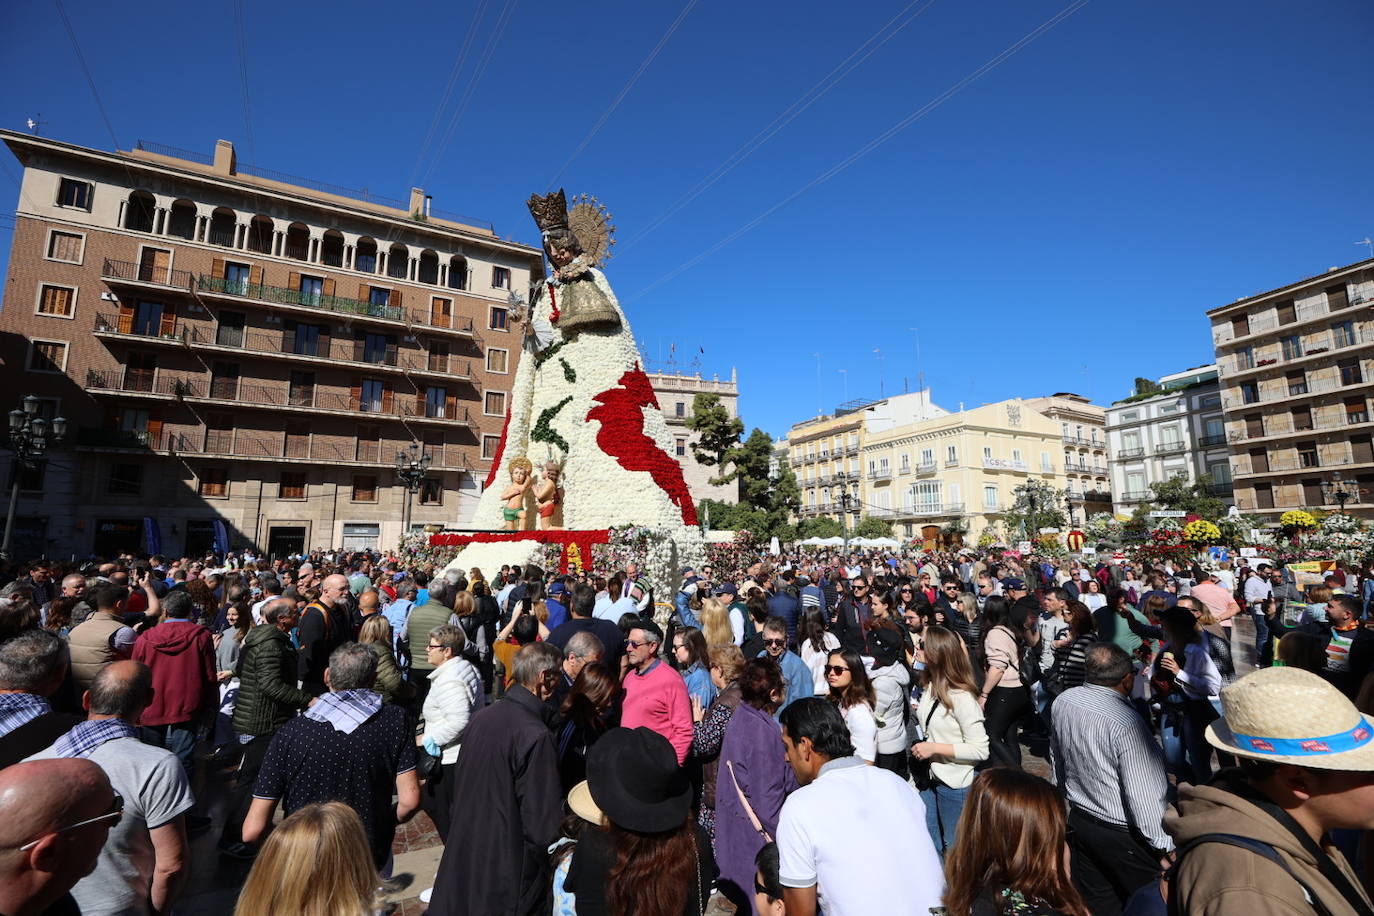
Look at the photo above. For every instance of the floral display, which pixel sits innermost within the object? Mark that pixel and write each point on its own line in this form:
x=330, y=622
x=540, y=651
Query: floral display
x=1298, y=518
x=1201, y=531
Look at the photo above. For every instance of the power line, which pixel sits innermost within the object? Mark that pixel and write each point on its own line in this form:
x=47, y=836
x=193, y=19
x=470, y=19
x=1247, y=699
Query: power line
x=788, y=114
x=501, y=22
x=90, y=80
x=871, y=145
x=624, y=91
x=243, y=81
x=458, y=63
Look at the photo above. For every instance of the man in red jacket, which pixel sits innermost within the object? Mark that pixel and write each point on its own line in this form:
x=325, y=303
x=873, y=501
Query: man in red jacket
x=181, y=654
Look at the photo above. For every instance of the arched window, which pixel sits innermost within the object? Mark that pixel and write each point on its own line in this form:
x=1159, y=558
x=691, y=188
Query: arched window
x=365, y=256
x=297, y=242
x=260, y=234
x=428, y=270
x=181, y=221
x=223, y=223
x=138, y=212
x=457, y=272
x=332, y=249
x=398, y=262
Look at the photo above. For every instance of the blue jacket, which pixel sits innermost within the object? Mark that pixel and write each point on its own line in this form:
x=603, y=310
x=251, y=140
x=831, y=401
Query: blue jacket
x=797, y=677
x=699, y=684
x=788, y=608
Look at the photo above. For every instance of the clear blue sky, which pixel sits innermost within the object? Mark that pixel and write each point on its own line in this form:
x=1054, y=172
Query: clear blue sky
x=1060, y=224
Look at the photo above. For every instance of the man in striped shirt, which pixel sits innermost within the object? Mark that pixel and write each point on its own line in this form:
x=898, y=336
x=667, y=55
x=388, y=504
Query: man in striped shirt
x=1108, y=765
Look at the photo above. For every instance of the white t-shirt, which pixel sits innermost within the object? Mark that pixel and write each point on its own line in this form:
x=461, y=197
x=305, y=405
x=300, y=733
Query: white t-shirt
x=155, y=791
x=863, y=730
x=888, y=867
x=816, y=660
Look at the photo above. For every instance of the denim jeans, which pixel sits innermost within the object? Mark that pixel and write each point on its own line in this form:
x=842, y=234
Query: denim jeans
x=943, y=806
x=1261, y=634
x=179, y=738
x=1183, y=735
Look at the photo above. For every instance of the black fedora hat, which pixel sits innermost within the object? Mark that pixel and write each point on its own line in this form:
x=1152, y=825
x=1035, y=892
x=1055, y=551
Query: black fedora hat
x=636, y=782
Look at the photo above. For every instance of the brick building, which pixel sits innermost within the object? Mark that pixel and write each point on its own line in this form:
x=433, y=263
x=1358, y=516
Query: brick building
x=232, y=345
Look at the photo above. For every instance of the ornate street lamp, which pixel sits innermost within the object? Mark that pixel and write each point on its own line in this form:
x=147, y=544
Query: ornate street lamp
x=842, y=484
x=1068, y=502
x=411, y=467
x=1338, y=491
x=30, y=436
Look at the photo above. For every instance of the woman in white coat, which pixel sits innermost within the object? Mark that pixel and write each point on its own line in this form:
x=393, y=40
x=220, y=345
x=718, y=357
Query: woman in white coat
x=455, y=691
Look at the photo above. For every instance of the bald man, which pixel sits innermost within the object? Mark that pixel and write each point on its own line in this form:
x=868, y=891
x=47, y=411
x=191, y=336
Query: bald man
x=62, y=811
x=325, y=625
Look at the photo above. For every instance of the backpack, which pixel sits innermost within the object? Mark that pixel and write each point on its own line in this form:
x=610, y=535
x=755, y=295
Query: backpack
x=1157, y=897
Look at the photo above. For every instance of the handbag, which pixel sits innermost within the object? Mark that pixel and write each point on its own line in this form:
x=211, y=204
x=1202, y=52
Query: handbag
x=429, y=767
x=921, y=775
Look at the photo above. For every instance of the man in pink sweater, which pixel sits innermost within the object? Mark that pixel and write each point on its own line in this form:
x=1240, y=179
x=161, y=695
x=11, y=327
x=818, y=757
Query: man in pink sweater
x=655, y=694
x=1218, y=600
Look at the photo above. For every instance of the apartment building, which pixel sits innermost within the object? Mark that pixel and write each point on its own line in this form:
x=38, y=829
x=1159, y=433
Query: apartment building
x=824, y=450
x=1082, y=428
x=242, y=351
x=958, y=467
x=676, y=392
x=1176, y=432
x=1296, y=366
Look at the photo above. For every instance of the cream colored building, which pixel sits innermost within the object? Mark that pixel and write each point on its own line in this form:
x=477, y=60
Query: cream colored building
x=675, y=396
x=959, y=466
x=1082, y=430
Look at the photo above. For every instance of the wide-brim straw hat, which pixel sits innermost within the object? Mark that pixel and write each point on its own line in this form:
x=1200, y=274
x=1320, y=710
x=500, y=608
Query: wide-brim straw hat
x=580, y=801
x=1287, y=715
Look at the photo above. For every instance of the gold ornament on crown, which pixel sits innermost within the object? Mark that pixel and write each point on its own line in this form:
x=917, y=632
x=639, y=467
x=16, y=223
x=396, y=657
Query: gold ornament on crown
x=549, y=211
x=590, y=221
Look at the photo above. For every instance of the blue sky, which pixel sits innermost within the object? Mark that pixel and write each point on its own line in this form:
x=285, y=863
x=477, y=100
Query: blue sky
x=1062, y=223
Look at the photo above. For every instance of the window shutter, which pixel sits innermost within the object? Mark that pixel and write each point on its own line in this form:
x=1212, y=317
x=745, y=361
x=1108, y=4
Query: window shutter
x=294, y=280
x=217, y=269
x=169, y=320
x=255, y=275
x=329, y=286
x=386, y=398
x=324, y=341
x=419, y=402
x=126, y=318
x=364, y=292
x=391, y=349
x=359, y=341
x=396, y=298
x=355, y=393
x=155, y=434
x=451, y=406
x=288, y=337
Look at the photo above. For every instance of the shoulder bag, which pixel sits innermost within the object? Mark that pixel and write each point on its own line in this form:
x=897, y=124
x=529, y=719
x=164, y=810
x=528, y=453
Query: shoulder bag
x=748, y=808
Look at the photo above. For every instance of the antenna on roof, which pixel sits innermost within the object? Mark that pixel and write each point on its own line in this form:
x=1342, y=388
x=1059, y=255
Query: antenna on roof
x=37, y=121
x=1364, y=241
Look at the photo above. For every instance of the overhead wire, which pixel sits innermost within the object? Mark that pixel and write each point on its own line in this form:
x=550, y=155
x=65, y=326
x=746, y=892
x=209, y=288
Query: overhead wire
x=788, y=114
x=471, y=89
x=90, y=80
x=624, y=91
x=243, y=82
x=459, y=62
x=871, y=145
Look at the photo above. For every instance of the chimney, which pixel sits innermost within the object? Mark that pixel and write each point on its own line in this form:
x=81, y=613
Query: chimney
x=417, y=202
x=225, y=162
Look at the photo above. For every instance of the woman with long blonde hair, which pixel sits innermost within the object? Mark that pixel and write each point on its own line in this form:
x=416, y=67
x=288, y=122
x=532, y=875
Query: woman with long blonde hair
x=954, y=738
x=316, y=863
x=715, y=623
x=1009, y=856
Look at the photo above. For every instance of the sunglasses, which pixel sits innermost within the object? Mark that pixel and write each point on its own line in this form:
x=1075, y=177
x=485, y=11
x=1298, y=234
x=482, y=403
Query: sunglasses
x=775, y=642
x=436, y=647
x=836, y=670
x=115, y=813
x=631, y=644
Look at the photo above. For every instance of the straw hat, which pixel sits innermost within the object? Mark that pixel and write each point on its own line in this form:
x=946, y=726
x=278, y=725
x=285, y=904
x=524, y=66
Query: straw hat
x=580, y=801
x=1287, y=715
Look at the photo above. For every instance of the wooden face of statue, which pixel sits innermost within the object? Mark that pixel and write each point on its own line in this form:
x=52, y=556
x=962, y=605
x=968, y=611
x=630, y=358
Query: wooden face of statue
x=551, y=472
x=518, y=473
x=560, y=257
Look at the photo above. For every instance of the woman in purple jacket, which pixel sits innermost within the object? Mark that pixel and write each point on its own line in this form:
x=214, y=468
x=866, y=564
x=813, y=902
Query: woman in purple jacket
x=752, y=781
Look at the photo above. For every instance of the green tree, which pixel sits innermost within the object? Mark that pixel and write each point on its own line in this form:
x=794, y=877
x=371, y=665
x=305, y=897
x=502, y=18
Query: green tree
x=870, y=527
x=1178, y=494
x=1035, y=505
x=767, y=503
x=1147, y=386
x=820, y=527
x=717, y=435
x=752, y=459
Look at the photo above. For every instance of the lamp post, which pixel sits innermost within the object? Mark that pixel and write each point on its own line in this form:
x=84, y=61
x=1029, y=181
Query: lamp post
x=1029, y=523
x=842, y=482
x=410, y=471
x=29, y=438
x=1336, y=491
x=1068, y=504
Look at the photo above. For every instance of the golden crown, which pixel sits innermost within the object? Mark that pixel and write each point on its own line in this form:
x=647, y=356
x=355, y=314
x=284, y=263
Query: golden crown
x=549, y=211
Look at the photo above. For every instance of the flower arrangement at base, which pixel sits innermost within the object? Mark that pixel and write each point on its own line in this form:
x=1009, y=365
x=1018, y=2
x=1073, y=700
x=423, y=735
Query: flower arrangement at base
x=1201, y=532
x=1300, y=519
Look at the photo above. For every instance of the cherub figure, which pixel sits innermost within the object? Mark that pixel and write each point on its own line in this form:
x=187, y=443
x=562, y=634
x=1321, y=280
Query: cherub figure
x=514, y=496
x=549, y=495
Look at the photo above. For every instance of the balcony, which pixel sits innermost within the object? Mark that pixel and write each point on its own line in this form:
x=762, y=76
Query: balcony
x=1098, y=496
x=1135, y=496
x=809, y=459
x=882, y=512
x=1099, y=469
x=933, y=510
x=147, y=275
x=1274, y=394
x=1047, y=467
x=926, y=467
x=1263, y=324
x=106, y=323
x=1170, y=448
x=280, y=295
x=1283, y=425
x=851, y=450
x=1004, y=464
x=1211, y=441
x=255, y=444
x=328, y=350
x=1131, y=453
x=1081, y=466
x=1317, y=343
x=796, y=461
x=1221, y=489
x=882, y=473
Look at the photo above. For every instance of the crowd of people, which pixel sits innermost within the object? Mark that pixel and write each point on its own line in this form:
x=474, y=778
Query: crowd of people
x=843, y=733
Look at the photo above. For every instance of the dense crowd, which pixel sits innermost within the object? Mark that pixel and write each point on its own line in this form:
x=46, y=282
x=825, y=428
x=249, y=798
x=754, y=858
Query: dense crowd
x=814, y=732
